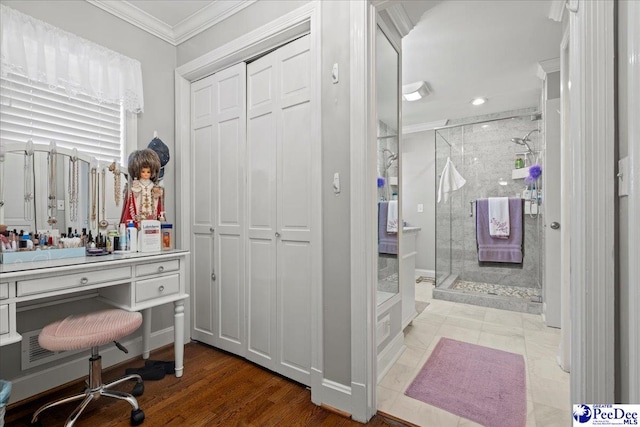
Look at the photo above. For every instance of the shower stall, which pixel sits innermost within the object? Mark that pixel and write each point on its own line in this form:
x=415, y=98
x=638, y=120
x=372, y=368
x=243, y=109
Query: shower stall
x=494, y=157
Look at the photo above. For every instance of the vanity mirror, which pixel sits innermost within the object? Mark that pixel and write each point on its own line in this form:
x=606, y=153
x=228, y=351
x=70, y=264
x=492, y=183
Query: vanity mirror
x=387, y=108
x=44, y=187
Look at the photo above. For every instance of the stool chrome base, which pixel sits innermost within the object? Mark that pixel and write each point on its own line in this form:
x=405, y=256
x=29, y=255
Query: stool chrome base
x=95, y=389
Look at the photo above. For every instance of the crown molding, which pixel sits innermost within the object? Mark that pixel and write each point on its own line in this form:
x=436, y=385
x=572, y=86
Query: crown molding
x=420, y=127
x=207, y=17
x=548, y=66
x=210, y=15
x=400, y=19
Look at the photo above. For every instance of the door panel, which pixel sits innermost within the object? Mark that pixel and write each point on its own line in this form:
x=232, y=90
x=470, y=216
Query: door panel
x=294, y=306
x=261, y=302
x=261, y=202
x=203, y=209
x=219, y=117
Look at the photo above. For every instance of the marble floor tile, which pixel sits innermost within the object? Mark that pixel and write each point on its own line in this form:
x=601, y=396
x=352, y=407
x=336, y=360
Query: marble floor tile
x=430, y=318
x=463, y=322
x=550, y=392
x=501, y=342
x=466, y=311
x=507, y=331
x=412, y=356
x=457, y=333
x=547, y=416
x=399, y=377
x=546, y=368
x=385, y=397
x=420, y=336
x=503, y=318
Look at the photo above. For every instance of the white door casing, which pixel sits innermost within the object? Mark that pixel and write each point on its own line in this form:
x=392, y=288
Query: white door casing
x=219, y=138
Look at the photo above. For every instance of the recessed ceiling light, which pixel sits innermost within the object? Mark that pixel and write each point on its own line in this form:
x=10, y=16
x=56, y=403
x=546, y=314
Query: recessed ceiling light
x=415, y=91
x=484, y=126
x=478, y=101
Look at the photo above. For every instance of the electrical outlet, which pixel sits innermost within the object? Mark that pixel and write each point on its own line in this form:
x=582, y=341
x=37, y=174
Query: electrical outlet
x=60, y=205
x=420, y=207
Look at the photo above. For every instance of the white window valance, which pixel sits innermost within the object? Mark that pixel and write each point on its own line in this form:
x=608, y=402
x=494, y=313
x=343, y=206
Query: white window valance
x=47, y=54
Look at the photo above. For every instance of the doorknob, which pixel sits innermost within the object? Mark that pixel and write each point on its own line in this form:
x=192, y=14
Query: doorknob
x=213, y=276
x=555, y=225
x=277, y=234
x=211, y=229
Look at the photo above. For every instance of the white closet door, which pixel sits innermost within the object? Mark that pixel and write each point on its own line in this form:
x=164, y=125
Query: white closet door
x=218, y=111
x=294, y=210
x=261, y=211
x=279, y=211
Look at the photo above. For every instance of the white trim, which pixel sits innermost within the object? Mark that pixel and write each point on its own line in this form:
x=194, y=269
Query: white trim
x=593, y=202
x=556, y=10
x=193, y=25
x=73, y=369
x=207, y=17
x=304, y=20
x=261, y=40
x=362, y=203
x=400, y=19
x=334, y=394
x=421, y=127
x=548, y=66
x=135, y=16
x=390, y=355
x=633, y=72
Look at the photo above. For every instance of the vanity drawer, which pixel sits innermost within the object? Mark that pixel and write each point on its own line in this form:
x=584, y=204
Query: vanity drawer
x=158, y=287
x=88, y=278
x=4, y=319
x=157, y=267
x=4, y=290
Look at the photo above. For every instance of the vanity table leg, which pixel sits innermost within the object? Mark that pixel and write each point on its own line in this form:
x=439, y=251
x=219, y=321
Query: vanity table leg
x=178, y=335
x=146, y=332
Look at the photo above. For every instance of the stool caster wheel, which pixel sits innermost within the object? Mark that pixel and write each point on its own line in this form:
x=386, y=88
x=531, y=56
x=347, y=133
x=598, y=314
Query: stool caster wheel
x=137, y=417
x=138, y=389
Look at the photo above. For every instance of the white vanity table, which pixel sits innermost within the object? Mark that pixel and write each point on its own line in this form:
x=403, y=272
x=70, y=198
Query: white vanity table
x=133, y=282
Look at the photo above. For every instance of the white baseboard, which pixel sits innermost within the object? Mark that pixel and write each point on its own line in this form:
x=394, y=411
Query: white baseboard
x=333, y=394
x=425, y=273
x=73, y=369
x=390, y=354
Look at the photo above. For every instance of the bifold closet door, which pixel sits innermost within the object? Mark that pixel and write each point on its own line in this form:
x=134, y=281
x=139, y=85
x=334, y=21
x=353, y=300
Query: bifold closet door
x=218, y=111
x=279, y=210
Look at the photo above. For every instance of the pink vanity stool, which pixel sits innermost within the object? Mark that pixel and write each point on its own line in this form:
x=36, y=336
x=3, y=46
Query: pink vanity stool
x=92, y=330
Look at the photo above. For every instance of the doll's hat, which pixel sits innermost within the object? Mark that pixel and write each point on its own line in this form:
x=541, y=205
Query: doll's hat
x=162, y=151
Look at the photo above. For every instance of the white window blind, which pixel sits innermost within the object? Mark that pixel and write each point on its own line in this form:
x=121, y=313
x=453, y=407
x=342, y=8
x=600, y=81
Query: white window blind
x=37, y=111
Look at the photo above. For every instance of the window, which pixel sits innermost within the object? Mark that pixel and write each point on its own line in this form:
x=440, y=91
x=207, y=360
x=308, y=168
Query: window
x=43, y=113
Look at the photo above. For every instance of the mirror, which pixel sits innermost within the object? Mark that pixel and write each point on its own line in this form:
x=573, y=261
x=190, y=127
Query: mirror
x=26, y=187
x=387, y=105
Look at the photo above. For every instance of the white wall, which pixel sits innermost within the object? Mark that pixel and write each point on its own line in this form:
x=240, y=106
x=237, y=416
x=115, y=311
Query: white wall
x=419, y=186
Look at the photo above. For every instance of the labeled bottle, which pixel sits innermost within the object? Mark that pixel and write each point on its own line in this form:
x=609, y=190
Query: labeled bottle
x=132, y=237
x=519, y=163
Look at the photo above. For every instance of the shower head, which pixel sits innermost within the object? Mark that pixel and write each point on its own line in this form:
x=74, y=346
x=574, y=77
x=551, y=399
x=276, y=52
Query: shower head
x=523, y=141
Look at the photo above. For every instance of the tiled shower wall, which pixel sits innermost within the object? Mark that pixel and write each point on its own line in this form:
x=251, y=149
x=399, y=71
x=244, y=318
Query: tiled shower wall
x=485, y=156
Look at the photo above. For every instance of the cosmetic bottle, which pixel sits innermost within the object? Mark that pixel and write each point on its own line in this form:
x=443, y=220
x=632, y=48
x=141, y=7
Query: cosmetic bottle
x=122, y=234
x=132, y=237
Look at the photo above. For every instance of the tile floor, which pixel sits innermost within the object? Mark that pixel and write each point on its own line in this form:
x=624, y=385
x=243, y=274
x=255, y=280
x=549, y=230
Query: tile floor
x=547, y=385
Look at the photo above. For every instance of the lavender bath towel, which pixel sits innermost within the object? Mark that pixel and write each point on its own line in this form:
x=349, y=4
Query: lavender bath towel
x=500, y=250
x=387, y=242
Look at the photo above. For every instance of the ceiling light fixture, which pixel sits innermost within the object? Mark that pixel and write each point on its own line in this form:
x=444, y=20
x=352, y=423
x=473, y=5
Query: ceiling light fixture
x=478, y=101
x=415, y=91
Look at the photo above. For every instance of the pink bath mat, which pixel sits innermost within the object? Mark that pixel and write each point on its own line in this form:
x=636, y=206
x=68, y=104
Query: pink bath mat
x=482, y=384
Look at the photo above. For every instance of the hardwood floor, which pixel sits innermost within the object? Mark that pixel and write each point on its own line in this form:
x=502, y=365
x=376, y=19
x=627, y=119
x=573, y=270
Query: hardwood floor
x=217, y=389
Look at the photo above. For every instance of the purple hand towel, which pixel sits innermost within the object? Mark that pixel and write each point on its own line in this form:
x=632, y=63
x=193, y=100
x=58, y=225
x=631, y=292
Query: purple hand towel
x=387, y=243
x=500, y=250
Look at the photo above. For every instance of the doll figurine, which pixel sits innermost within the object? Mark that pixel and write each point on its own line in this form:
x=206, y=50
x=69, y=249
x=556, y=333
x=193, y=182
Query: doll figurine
x=144, y=197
